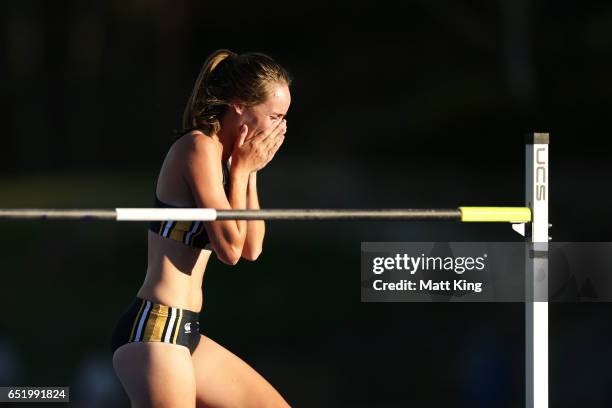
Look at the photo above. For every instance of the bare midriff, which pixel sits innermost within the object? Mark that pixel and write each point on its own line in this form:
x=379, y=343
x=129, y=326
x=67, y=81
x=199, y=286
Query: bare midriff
x=175, y=273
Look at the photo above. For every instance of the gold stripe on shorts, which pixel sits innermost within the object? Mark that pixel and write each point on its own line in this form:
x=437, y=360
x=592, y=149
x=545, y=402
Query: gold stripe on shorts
x=155, y=323
x=176, y=233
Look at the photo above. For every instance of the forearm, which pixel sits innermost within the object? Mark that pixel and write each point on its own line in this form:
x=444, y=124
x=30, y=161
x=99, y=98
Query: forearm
x=238, y=200
x=255, y=228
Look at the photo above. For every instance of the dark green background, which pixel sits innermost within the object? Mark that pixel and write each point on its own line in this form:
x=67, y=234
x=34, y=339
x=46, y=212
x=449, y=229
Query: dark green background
x=419, y=105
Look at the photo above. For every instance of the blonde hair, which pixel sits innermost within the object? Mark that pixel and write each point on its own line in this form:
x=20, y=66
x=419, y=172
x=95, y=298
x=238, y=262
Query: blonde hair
x=224, y=78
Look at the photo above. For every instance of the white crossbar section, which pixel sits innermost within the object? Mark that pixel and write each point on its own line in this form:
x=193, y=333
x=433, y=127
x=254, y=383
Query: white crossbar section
x=175, y=214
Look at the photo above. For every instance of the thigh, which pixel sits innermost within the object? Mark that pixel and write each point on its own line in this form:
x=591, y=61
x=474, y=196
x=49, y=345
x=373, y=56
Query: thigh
x=156, y=374
x=224, y=380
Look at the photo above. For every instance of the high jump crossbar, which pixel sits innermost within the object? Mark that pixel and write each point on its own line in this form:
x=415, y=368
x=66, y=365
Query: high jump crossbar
x=464, y=214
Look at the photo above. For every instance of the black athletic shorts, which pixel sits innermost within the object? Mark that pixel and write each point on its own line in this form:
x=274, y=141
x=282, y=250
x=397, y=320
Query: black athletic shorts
x=145, y=320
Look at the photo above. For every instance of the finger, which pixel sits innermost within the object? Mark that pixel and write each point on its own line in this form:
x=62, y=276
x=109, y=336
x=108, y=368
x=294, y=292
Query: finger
x=254, y=134
x=271, y=131
x=271, y=153
x=276, y=146
x=277, y=132
x=244, y=130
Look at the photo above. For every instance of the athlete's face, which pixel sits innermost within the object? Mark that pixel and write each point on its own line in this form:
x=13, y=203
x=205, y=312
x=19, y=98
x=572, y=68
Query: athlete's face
x=264, y=116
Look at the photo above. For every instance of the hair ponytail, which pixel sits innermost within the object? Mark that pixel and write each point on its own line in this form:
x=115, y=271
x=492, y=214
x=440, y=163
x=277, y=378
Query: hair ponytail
x=189, y=120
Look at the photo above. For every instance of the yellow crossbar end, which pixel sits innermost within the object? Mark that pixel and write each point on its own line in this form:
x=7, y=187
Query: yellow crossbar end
x=495, y=214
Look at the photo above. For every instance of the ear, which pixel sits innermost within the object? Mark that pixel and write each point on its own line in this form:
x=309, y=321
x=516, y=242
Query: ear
x=237, y=107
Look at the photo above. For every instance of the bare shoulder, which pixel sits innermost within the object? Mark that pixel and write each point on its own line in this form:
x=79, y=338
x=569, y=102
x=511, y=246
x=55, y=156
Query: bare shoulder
x=200, y=144
x=200, y=156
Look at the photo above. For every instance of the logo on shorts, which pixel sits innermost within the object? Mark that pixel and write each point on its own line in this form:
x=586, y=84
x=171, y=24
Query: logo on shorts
x=188, y=327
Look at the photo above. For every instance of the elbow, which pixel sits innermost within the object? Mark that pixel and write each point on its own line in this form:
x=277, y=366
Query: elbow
x=229, y=256
x=251, y=254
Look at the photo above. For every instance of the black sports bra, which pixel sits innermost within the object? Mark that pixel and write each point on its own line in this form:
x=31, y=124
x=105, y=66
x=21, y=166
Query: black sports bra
x=190, y=233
